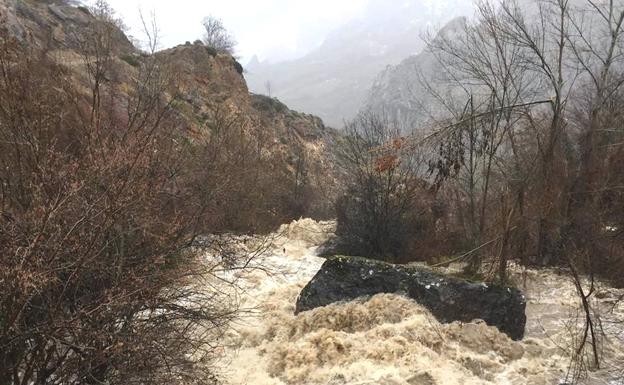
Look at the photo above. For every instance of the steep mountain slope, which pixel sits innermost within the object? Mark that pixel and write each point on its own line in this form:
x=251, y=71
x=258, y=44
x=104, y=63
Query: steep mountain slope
x=213, y=90
x=332, y=81
x=401, y=91
x=210, y=90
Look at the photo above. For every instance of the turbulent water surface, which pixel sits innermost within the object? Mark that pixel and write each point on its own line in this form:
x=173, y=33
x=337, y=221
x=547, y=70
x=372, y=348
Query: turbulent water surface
x=391, y=340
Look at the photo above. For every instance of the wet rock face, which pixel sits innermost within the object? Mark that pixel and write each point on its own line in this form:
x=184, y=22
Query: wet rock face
x=448, y=299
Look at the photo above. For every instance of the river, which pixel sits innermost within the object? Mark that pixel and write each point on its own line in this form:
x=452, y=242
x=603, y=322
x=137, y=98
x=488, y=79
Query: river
x=391, y=340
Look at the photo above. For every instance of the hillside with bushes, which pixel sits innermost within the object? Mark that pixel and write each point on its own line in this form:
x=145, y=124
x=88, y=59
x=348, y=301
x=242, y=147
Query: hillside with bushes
x=115, y=162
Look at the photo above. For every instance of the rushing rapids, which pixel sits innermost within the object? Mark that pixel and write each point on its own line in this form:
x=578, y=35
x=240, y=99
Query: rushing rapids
x=391, y=340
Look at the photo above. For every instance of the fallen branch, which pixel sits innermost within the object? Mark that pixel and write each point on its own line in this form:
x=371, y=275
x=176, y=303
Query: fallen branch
x=459, y=258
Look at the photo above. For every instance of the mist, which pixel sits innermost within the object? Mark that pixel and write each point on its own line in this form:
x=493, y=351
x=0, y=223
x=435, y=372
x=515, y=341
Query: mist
x=274, y=30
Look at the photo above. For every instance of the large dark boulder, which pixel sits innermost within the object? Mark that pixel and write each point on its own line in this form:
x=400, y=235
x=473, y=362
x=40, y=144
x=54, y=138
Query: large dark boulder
x=449, y=299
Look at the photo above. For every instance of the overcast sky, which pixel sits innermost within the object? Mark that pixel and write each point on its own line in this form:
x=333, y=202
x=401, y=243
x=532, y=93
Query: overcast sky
x=273, y=29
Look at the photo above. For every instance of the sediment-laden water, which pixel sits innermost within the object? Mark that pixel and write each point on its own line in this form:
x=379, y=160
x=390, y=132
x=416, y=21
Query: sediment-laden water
x=391, y=340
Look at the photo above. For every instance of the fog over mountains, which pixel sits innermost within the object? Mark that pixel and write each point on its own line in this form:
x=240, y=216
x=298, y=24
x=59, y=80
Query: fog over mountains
x=333, y=80
x=400, y=91
x=423, y=90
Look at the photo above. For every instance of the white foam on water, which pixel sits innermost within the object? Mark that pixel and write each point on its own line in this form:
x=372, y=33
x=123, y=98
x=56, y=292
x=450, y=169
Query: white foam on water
x=390, y=339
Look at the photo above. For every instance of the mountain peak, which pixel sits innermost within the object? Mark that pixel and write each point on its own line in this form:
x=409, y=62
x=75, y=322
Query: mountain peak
x=253, y=63
x=333, y=80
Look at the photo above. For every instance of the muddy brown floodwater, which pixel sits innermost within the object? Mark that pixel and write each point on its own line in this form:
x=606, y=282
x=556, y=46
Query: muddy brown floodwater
x=391, y=340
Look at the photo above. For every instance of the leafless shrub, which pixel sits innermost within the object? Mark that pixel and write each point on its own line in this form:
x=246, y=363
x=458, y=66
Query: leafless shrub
x=387, y=210
x=101, y=201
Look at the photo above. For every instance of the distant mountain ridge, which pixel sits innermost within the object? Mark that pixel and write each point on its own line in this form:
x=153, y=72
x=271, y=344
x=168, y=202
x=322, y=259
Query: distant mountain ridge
x=417, y=92
x=333, y=80
x=400, y=91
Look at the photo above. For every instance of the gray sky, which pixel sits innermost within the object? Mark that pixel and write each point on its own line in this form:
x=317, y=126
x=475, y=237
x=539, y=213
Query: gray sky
x=273, y=29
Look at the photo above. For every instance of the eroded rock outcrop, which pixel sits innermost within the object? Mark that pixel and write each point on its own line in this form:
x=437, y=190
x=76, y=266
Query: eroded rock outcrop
x=449, y=299
x=207, y=89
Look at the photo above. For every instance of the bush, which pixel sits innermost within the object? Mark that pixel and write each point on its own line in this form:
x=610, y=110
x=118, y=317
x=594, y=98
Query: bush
x=238, y=67
x=386, y=211
x=99, y=210
x=131, y=59
x=268, y=104
x=211, y=51
x=84, y=9
x=102, y=199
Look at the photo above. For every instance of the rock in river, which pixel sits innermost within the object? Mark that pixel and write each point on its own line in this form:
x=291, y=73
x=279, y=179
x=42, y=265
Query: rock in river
x=449, y=299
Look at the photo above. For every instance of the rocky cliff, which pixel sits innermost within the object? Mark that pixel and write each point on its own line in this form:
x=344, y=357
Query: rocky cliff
x=406, y=92
x=209, y=87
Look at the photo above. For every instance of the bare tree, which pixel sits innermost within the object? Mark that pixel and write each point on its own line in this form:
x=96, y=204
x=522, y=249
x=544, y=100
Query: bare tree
x=269, y=88
x=488, y=71
x=542, y=86
x=217, y=36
